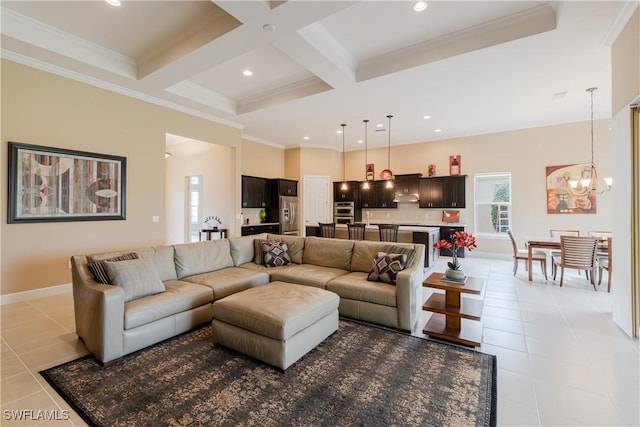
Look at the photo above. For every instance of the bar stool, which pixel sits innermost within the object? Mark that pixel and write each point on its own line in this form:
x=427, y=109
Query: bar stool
x=356, y=230
x=388, y=232
x=327, y=229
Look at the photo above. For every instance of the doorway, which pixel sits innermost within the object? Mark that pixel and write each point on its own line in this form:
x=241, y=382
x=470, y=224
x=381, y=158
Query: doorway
x=193, y=207
x=317, y=199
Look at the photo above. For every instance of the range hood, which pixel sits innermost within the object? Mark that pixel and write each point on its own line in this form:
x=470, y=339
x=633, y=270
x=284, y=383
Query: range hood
x=406, y=198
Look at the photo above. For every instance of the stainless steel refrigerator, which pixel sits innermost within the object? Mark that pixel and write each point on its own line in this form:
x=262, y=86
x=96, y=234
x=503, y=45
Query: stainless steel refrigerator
x=288, y=215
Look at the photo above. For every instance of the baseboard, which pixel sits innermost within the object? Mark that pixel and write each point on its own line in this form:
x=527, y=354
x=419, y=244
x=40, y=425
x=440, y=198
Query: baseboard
x=35, y=293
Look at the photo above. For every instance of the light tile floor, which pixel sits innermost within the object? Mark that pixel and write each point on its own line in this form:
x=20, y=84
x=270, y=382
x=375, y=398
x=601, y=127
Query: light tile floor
x=561, y=359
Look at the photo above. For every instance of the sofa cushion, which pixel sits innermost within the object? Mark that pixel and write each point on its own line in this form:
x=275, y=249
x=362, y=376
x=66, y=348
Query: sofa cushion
x=332, y=253
x=386, y=267
x=138, y=277
x=258, y=252
x=201, y=257
x=355, y=286
x=242, y=248
x=306, y=274
x=363, y=254
x=178, y=297
x=97, y=267
x=162, y=258
x=275, y=254
x=229, y=280
x=397, y=249
x=295, y=244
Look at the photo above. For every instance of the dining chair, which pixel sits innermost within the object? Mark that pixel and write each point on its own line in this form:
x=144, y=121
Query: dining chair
x=604, y=263
x=388, y=232
x=327, y=229
x=523, y=254
x=578, y=253
x=558, y=233
x=356, y=230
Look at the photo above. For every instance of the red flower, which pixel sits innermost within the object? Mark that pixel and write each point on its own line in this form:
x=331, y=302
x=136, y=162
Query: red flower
x=461, y=239
x=442, y=244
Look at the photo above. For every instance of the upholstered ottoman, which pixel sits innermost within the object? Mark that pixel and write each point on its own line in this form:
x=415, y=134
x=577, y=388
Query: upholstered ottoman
x=277, y=323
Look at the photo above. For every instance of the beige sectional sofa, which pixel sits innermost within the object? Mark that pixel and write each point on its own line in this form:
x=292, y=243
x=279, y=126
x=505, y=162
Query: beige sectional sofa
x=195, y=275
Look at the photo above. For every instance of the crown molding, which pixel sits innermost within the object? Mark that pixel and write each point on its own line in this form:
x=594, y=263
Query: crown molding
x=35, y=33
x=204, y=96
x=625, y=14
x=72, y=75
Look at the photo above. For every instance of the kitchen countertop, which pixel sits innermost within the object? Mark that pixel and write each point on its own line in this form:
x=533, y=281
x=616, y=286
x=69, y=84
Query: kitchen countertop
x=253, y=224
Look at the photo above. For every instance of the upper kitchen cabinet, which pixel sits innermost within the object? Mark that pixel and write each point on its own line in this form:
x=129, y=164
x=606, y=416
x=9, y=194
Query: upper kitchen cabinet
x=442, y=192
x=368, y=197
x=384, y=195
x=430, y=191
x=287, y=187
x=351, y=194
x=256, y=192
x=407, y=184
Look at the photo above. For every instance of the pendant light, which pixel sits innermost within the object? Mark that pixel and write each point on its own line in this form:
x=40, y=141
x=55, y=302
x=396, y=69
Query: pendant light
x=365, y=185
x=589, y=184
x=387, y=173
x=344, y=186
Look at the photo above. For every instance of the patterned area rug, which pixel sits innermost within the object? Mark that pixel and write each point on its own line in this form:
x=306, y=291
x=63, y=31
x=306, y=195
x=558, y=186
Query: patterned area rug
x=361, y=375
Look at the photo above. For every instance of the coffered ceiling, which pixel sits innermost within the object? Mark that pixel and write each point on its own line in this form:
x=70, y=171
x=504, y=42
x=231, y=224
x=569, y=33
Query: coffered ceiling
x=473, y=66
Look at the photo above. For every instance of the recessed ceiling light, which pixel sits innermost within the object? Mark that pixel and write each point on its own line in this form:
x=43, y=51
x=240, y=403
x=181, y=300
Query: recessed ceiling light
x=338, y=131
x=419, y=6
x=427, y=117
x=379, y=125
x=247, y=73
x=306, y=137
x=113, y=2
x=269, y=28
x=438, y=130
x=359, y=141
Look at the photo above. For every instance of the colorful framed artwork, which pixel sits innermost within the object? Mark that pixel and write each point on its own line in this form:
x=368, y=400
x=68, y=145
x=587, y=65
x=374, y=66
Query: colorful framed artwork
x=54, y=184
x=561, y=197
x=455, y=165
x=370, y=172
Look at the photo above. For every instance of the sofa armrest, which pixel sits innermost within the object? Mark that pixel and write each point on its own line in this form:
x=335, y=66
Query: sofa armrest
x=409, y=290
x=99, y=312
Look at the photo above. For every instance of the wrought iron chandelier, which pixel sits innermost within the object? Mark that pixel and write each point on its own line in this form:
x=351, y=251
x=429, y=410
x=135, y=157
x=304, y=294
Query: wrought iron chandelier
x=588, y=183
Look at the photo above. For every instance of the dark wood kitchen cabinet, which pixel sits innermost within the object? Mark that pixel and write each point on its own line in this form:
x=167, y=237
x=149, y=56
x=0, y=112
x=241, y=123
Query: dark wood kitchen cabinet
x=351, y=194
x=384, y=196
x=442, y=192
x=368, y=197
x=256, y=192
x=407, y=184
x=287, y=187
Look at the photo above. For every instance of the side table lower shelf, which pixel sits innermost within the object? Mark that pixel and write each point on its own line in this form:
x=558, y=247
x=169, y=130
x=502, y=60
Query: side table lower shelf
x=455, y=317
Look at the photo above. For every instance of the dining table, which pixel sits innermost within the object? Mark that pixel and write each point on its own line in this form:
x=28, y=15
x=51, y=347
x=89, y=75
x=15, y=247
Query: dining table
x=548, y=242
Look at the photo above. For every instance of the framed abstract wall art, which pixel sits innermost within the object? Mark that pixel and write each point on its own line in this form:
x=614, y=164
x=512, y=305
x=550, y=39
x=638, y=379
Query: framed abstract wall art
x=55, y=184
x=564, y=199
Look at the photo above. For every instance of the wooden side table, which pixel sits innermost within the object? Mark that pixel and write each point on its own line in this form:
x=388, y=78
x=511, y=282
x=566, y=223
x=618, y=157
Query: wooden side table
x=208, y=231
x=455, y=318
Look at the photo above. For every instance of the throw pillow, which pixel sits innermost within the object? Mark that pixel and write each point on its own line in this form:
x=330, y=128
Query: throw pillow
x=138, y=277
x=409, y=252
x=97, y=267
x=386, y=267
x=258, y=253
x=275, y=254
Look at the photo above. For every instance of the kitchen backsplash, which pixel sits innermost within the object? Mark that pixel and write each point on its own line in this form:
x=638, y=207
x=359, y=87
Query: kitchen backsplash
x=409, y=213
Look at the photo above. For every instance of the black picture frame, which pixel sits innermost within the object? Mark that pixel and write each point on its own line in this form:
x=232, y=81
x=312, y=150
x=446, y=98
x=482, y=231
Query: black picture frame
x=49, y=184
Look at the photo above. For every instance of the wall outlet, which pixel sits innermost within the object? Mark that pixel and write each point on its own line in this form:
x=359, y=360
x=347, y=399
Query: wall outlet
x=155, y=218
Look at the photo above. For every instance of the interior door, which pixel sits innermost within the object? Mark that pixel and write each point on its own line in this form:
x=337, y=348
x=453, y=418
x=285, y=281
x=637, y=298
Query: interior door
x=316, y=200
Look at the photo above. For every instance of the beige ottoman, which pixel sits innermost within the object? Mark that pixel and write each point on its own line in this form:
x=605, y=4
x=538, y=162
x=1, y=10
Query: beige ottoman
x=277, y=323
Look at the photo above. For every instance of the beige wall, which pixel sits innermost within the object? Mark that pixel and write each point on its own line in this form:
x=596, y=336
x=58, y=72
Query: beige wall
x=625, y=64
x=262, y=160
x=214, y=163
x=44, y=109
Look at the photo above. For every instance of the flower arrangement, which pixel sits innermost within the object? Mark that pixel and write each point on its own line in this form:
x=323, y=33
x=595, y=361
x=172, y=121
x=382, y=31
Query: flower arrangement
x=208, y=220
x=461, y=239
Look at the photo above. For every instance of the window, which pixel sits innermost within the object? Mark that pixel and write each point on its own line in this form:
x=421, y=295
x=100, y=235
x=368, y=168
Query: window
x=194, y=207
x=492, y=193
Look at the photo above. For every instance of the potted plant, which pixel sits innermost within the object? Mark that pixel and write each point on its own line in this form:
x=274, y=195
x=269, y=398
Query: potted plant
x=461, y=239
